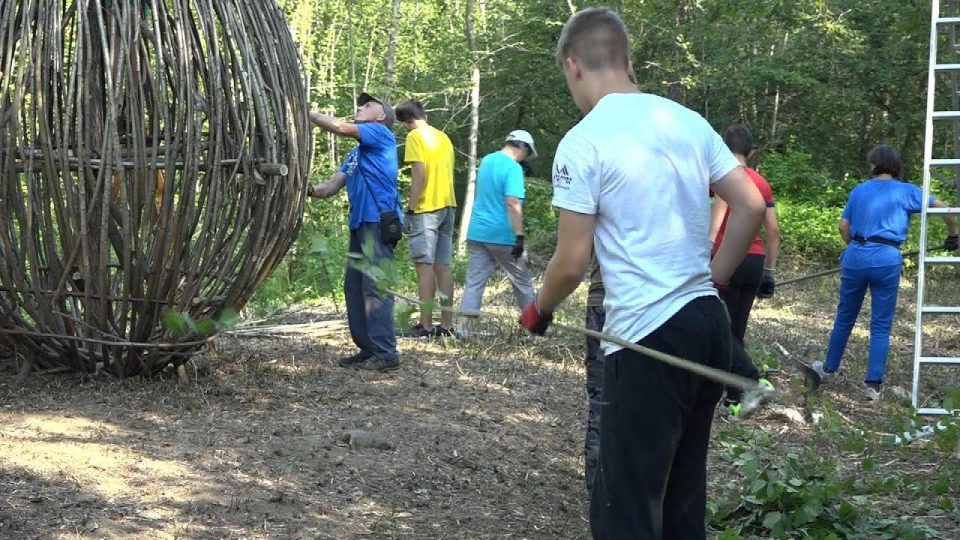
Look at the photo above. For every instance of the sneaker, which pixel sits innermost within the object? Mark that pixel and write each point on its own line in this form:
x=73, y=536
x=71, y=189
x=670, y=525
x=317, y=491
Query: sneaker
x=441, y=332
x=352, y=360
x=872, y=393
x=418, y=332
x=379, y=364
x=818, y=367
x=764, y=383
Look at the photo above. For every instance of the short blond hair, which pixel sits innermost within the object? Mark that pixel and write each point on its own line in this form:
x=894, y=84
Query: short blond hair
x=597, y=38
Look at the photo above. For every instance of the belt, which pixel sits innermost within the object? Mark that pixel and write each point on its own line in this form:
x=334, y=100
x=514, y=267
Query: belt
x=876, y=240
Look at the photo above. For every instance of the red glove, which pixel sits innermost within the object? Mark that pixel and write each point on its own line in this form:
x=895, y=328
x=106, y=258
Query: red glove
x=534, y=320
x=720, y=287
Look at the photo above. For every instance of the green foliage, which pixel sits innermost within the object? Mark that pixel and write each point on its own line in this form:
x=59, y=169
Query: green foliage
x=806, y=494
x=182, y=324
x=809, y=231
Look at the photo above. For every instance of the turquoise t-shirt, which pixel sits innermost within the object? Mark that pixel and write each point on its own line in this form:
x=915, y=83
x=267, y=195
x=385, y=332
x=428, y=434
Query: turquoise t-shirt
x=880, y=208
x=499, y=176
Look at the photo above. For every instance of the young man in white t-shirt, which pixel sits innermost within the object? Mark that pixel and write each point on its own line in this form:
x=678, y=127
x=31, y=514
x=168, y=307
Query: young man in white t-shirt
x=632, y=180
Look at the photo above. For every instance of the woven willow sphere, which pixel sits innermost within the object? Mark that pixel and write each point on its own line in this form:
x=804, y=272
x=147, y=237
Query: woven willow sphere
x=154, y=156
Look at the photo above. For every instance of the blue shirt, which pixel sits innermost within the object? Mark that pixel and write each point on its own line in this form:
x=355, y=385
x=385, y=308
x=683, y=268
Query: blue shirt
x=879, y=208
x=371, y=170
x=499, y=176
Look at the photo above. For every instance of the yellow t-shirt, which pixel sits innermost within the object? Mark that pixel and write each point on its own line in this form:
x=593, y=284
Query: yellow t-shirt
x=432, y=147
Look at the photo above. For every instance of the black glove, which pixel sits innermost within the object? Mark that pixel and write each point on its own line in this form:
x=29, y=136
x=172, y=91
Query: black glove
x=407, y=221
x=952, y=243
x=518, y=248
x=767, y=283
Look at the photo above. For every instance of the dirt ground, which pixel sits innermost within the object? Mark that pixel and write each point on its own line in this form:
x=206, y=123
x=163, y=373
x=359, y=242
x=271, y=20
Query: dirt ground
x=478, y=438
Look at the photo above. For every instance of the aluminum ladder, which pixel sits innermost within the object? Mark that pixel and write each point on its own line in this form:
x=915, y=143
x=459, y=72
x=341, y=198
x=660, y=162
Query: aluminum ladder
x=949, y=22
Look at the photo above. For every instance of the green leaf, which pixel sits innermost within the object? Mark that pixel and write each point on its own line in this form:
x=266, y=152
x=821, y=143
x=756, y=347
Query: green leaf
x=177, y=323
x=868, y=464
x=771, y=520
x=847, y=512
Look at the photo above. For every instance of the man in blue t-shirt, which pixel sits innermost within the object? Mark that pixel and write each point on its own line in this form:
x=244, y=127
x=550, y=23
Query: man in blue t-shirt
x=495, y=231
x=370, y=175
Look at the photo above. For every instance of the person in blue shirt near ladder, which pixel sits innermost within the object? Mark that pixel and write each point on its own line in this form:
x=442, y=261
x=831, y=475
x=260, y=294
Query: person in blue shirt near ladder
x=874, y=224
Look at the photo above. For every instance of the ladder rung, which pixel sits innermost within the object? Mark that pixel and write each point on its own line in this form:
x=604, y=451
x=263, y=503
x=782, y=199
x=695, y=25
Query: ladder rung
x=943, y=211
x=939, y=360
x=944, y=162
x=944, y=115
x=946, y=67
x=943, y=310
x=948, y=20
x=942, y=260
x=934, y=410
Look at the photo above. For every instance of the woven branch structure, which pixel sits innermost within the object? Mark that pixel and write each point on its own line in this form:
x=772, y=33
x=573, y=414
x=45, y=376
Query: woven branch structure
x=154, y=155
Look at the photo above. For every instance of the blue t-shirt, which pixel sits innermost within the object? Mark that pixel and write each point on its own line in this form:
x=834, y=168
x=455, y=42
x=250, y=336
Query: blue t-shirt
x=371, y=170
x=499, y=176
x=879, y=208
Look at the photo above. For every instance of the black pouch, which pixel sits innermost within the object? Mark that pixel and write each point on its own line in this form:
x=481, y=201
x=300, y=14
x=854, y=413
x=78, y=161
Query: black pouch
x=391, y=231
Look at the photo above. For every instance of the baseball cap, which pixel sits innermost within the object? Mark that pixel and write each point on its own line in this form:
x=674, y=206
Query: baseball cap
x=388, y=115
x=520, y=135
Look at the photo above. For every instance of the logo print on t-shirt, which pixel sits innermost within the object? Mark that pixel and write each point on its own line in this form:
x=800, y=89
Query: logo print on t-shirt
x=352, y=162
x=561, y=177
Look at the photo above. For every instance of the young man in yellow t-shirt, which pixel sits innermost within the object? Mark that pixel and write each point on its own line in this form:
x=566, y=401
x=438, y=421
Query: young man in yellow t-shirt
x=430, y=213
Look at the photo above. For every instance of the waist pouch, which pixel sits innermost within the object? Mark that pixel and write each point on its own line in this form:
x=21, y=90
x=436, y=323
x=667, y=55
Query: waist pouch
x=391, y=230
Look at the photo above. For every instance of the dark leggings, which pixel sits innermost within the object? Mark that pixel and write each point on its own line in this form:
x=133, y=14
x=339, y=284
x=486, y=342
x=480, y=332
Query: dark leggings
x=739, y=296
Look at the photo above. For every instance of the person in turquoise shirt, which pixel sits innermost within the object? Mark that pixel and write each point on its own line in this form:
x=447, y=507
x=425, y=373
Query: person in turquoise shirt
x=874, y=224
x=495, y=230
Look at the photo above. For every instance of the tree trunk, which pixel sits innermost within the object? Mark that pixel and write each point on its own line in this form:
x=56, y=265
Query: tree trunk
x=675, y=88
x=474, y=131
x=391, y=75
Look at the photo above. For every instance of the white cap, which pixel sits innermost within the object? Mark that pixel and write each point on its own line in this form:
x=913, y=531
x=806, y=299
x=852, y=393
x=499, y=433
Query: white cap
x=520, y=135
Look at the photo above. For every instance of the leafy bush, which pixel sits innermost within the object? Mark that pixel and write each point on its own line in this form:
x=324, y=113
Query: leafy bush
x=805, y=494
x=809, y=230
x=793, y=177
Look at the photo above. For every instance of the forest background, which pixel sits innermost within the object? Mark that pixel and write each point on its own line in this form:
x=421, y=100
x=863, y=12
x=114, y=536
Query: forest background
x=819, y=82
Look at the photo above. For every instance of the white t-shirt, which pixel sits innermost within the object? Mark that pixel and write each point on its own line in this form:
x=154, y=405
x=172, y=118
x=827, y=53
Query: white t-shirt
x=643, y=165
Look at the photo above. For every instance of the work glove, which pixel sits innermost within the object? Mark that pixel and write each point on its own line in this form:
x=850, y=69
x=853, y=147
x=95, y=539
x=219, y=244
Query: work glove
x=767, y=284
x=517, y=251
x=534, y=320
x=951, y=243
x=407, y=221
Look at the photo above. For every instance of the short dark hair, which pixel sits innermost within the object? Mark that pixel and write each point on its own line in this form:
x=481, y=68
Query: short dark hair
x=597, y=37
x=885, y=160
x=410, y=109
x=521, y=145
x=738, y=139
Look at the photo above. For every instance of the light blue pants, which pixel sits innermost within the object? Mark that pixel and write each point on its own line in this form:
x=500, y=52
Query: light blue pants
x=484, y=260
x=884, y=284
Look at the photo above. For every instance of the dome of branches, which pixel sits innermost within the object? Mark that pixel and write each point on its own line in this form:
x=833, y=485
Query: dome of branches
x=154, y=156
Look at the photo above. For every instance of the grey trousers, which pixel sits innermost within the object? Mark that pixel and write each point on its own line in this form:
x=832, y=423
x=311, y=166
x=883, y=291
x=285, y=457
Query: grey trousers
x=484, y=259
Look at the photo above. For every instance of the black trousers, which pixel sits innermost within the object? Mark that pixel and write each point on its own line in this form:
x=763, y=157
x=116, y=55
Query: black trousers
x=739, y=297
x=655, y=427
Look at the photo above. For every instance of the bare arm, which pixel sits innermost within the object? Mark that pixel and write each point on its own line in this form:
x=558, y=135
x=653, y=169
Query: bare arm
x=570, y=261
x=771, y=227
x=747, y=209
x=417, y=175
x=329, y=188
x=716, y=217
x=335, y=125
x=949, y=220
x=515, y=213
x=844, y=227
